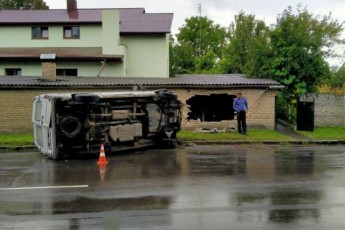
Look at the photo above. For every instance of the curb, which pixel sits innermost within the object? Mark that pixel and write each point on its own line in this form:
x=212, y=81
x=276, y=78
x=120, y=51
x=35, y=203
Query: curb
x=18, y=148
x=33, y=148
x=304, y=142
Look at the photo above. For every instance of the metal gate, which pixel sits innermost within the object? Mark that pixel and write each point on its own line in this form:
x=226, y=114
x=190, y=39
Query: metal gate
x=305, y=113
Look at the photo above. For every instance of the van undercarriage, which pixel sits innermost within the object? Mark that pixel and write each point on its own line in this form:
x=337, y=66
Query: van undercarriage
x=81, y=122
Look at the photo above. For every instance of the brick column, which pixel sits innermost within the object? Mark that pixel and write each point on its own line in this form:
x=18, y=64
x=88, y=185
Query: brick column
x=49, y=71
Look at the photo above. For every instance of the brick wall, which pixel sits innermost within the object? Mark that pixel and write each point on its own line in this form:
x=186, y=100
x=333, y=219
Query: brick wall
x=329, y=110
x=16, y=107
x=261, y=108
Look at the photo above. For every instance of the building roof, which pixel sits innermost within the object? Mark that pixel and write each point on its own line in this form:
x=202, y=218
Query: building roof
x=204, y=81
x=70, y=53
x=133, y=20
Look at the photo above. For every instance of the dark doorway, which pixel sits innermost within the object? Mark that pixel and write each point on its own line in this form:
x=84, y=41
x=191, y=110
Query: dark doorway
x=214, y=107
x=305, y=113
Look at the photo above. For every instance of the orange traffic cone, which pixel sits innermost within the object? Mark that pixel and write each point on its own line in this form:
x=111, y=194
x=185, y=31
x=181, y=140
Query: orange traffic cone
x=102, y=160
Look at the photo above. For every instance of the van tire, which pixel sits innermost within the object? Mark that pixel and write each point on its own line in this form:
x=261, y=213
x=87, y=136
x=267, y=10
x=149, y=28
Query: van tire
x=69, y=126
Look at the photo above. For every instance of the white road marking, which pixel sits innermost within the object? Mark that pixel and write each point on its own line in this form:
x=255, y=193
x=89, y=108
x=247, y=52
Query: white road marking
x=44, y=187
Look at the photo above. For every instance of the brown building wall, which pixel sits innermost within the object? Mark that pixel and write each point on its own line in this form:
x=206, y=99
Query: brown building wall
x=16, y=107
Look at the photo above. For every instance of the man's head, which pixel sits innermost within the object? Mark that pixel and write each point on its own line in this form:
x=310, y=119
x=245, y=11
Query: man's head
x=239, y=95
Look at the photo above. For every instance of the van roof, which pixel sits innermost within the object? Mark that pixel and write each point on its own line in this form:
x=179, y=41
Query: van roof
x=117, y=94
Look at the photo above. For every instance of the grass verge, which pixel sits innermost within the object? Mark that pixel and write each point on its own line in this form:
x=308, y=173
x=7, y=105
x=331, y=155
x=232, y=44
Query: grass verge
x=253, y=135
x=11, y=140
x=326, y=133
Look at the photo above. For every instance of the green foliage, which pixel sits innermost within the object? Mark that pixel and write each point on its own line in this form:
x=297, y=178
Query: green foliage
x=300, y=44
x=23, y=4
x=337, y=79
x=198, y=46
x=248, y=47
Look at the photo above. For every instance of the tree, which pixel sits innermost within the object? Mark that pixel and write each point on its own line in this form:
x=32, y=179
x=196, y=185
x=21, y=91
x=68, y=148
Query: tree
x=23, y=4
x=300, y=45
x=248, y=46
x=336, y=83
x=198, y=38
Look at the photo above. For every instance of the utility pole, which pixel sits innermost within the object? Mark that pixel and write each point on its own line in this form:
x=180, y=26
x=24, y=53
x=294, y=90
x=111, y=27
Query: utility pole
x=199, y=10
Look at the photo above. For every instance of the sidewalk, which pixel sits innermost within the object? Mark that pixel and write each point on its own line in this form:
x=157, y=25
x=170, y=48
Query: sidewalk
x=288, y=132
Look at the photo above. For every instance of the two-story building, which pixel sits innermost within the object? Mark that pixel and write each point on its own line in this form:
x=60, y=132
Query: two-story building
x=85, y=42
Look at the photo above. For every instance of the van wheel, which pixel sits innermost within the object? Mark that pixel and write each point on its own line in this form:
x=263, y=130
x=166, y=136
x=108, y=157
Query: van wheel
x=70, y=126
x=86, y=97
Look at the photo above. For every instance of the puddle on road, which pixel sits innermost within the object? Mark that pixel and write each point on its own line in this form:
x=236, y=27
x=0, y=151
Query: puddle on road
x=84, y=204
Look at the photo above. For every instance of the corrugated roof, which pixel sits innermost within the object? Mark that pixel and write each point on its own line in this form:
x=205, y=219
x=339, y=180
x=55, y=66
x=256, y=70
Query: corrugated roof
x=228, y=80
x=223, y=79
x=133, y=20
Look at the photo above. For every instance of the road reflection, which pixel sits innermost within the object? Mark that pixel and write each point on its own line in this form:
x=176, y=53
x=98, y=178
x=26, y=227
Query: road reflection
x=265, y=184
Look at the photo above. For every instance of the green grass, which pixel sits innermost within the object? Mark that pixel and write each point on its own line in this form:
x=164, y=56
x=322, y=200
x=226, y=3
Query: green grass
x=326, y=133
x=16, y=139
x=253, y=135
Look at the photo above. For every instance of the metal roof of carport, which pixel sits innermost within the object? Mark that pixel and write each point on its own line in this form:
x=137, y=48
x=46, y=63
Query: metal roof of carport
x=182, y=81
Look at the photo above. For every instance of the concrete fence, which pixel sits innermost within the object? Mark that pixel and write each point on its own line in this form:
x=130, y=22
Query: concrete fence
x=329, y=110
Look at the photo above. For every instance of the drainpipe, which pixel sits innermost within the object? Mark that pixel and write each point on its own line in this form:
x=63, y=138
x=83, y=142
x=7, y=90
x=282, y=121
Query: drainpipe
x=124, y=59
x=104, y=62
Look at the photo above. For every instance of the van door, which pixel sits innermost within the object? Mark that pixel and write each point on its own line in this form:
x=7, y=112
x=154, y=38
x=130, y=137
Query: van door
x=41, y=118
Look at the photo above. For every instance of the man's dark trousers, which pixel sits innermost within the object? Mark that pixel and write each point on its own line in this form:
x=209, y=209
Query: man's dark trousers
x=241, y=122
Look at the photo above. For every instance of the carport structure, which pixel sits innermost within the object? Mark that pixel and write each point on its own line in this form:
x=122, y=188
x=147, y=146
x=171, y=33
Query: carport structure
x=207, y=99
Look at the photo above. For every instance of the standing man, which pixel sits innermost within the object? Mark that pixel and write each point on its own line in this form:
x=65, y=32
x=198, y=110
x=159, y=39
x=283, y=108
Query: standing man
x=241, y=107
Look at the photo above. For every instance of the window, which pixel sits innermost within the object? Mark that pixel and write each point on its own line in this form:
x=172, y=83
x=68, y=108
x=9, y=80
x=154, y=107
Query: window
x=67, y=72
x=39, y=32
x=214, y=107
x=38, y=111
x=39, y=135
x=71, y=32
x=13, y=72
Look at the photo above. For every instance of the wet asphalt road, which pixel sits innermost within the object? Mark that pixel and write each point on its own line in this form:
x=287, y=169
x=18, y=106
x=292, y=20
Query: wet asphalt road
x=201, y=187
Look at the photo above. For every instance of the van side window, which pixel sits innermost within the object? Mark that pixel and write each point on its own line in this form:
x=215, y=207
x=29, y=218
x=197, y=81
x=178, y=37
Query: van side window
x=38, y=110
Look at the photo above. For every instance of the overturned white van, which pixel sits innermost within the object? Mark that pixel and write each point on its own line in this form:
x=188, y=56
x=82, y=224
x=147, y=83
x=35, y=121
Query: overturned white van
x=78, y=123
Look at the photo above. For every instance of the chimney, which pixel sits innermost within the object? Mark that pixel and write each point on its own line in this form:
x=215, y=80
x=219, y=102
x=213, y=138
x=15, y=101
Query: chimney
x=71, y=5
x=48, y=67
x=48, y=71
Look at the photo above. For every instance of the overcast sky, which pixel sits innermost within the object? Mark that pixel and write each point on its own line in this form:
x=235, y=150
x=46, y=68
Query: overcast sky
x=220, y=11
